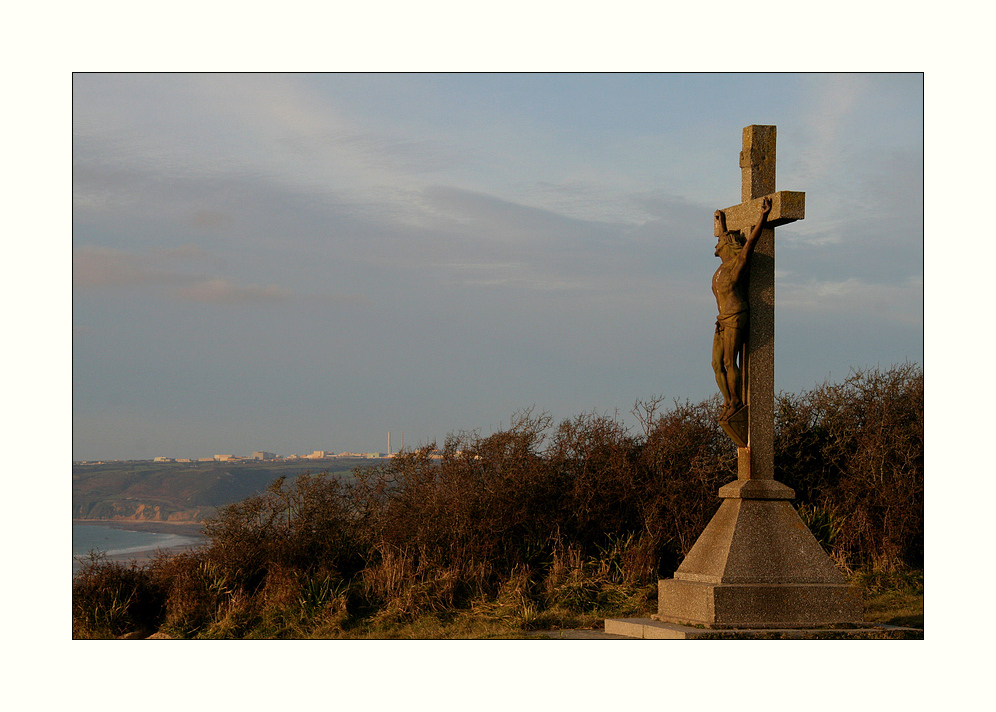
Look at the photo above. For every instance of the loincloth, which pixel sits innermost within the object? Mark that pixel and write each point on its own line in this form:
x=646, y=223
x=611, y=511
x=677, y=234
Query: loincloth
x=736, y=321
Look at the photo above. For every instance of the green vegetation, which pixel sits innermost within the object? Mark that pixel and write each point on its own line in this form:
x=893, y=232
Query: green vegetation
x=189, y=492
x=532, y=528
x=894, y=598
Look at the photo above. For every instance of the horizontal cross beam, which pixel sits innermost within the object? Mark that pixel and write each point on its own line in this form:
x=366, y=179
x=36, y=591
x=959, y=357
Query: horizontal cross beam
x=786, y=206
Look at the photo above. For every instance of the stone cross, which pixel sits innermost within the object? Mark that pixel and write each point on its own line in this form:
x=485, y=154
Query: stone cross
x=756, y=565
x=755, y=437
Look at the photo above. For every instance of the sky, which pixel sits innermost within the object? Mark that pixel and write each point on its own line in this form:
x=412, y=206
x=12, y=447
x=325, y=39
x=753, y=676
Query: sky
x=228, y=232
x=299, y=262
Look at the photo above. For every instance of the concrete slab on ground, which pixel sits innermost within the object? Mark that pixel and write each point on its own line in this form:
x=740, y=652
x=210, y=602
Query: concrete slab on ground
x=649, y=629
x=576, y=634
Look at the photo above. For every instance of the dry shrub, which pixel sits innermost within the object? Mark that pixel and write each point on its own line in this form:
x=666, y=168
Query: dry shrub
x=111, y=599
x=392, y=572
x=576, y=584
x=403, y=588
x=499, y=524
x=566, y=560
x=480, y=500
x=197, y=590
x=236, y=616
x=571, y=583
x=514, y=604
x=854, y=451
x=281, y=588
x=307, y=525
x=687, y=458
x=596, y=465
x=428, y=590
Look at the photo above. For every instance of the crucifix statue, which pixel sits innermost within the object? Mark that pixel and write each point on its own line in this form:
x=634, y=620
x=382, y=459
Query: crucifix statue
x=732, y=322
x=756, y=564
x=743, y=354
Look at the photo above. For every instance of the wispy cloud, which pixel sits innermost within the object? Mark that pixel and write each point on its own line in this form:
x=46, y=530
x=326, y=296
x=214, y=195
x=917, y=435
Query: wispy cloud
x=106, y=267
x=211, y=219
x=902, y=303
x=103, y=267
x=501, y=218
x=837, y=97
x=512, y=275
x=220, y=291
x=283, y=128
x=509, y=232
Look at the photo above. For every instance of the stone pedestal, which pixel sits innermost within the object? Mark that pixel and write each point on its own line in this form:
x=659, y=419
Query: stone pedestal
x=757, y=565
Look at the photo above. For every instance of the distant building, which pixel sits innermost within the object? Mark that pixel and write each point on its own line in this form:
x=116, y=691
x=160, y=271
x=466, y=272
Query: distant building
x=205, y=459
x=224, y=458
x=183, y=459
x=263, y=456
x=319, y=455
x=162, y=459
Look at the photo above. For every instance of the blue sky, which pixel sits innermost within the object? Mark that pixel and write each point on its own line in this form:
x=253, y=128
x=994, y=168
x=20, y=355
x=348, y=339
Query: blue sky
x=298, y=262
x=235, y=247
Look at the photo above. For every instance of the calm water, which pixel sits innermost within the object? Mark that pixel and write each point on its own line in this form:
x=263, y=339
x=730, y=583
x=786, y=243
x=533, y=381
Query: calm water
x=111, y=541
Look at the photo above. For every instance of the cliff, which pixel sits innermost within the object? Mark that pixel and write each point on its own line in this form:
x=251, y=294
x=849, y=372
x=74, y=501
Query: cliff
x=147, y=491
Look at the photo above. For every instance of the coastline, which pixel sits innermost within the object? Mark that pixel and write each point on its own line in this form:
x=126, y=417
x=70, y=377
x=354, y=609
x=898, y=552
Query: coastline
x=146, y=555
x=192, y=530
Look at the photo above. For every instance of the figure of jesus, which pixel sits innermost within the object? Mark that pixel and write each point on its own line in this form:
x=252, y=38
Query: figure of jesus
x=729, y=286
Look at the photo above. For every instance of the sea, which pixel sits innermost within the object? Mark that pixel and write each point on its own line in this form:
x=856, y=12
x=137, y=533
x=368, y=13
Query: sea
x=117, y=542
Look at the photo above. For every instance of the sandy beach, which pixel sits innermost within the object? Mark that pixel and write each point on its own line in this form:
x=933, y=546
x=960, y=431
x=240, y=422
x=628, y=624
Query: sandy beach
x=187, y=529
x=180, y=528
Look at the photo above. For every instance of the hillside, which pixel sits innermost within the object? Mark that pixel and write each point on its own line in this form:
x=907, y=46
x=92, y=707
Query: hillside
x=141, y=490
x=537, y=527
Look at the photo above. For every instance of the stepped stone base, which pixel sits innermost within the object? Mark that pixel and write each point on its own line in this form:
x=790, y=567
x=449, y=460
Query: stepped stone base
x=648, y=629
x=757, y=605
x=757, y=565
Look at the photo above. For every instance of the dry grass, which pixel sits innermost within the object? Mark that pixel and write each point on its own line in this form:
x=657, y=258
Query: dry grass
x=501, y=535
x=894, y=598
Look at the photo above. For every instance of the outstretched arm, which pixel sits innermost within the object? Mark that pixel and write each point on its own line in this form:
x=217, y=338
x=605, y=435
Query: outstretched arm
x=745, y=253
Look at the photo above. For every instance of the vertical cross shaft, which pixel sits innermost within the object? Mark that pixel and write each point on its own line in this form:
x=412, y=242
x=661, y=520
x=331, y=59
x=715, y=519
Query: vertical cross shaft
x=757, y=166
x=753, y=428
x=756, y=564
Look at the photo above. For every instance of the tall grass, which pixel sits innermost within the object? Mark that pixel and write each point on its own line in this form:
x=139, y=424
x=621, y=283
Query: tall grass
x=533, y=526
